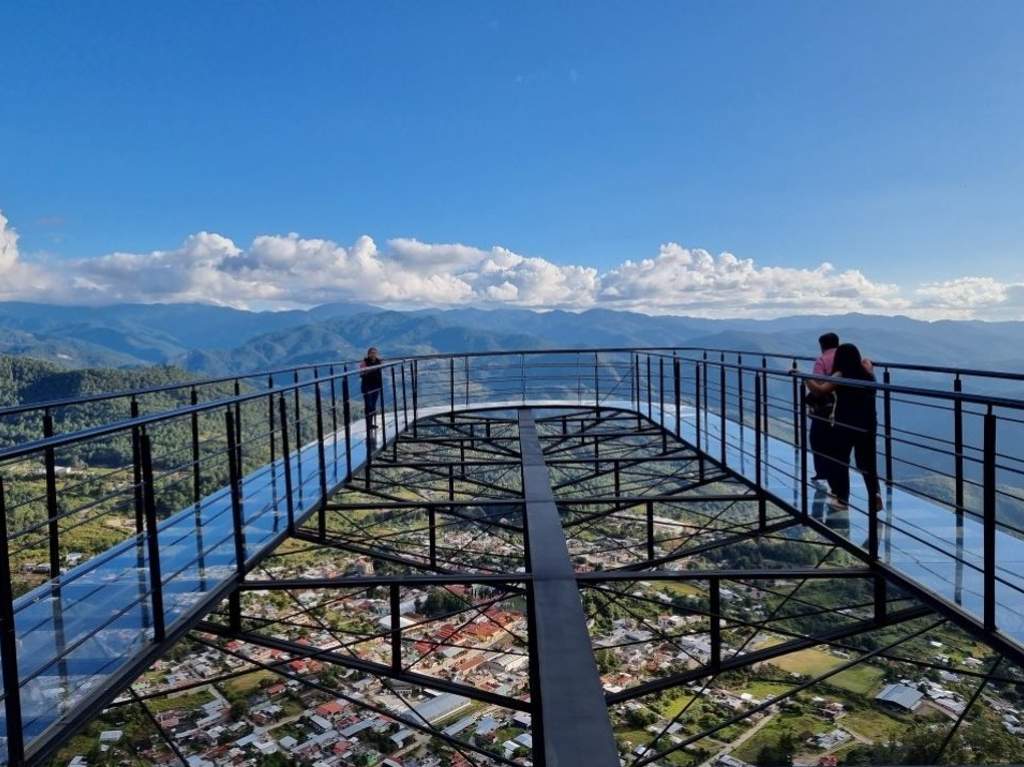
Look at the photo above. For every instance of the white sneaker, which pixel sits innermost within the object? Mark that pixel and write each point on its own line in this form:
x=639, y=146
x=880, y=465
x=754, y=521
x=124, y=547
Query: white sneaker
x=836, y=504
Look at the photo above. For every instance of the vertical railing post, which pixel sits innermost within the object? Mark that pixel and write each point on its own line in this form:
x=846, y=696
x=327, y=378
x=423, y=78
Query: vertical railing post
x=271, y=419
x=50, y=466
x=197, y=480
x=237, y=517
x=634, y=398
x=739, y=381
x=382, y=409
x=699, y=417
x=346, y=413
x=715, y=608
x=334, y=416
x=394, y=409
x=989, y=518
x=298, y=420
x=238, y=426
x=677, y=387
x=394, y=598
x=764, y=394
x=370, y=444
x=9, y=648
x=286, y=461
x=661, y=404
x=465, y=373
x=887, y=405
x=650, y=405
x=156, y=584
x=405, y=400
x=451, y=389
x=597, y=385
x=639, y=396
x=616, y=472
x=958, y=471
x=723, y=406
x=797, y=399
x=321, y=462
x=140, y=518
x=958, y=445
x=802, y=406
x=762, y=511
x=415, y=397
x=704, y=372
x=650, y=530
x=661, y=391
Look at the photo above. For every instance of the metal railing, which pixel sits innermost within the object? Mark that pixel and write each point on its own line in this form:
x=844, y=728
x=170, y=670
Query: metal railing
x=245, y=458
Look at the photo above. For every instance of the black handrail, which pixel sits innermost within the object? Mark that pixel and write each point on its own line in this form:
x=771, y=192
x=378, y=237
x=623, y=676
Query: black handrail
x=69, y=438
x=104, y=396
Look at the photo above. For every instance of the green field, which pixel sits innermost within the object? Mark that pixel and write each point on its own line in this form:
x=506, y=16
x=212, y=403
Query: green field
x=861, y=679
x=241, y=686
x=872, y=724
x=680, y=588
x=672, y=707
x=189, y=702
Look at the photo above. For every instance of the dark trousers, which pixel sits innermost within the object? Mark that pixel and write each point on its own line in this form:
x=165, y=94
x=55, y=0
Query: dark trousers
x=370, y=401
x=820, y=440
x=865, y=455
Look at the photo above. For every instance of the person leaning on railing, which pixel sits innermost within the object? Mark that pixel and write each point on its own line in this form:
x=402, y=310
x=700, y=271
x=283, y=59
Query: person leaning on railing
x=853, y=425
x=371, y=382
x=820, y=409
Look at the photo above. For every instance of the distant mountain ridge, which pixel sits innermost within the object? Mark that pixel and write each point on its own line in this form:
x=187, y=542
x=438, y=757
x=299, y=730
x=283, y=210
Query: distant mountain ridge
x=207, y=340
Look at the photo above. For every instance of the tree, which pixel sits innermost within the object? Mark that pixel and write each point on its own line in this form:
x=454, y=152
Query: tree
x=778, y=754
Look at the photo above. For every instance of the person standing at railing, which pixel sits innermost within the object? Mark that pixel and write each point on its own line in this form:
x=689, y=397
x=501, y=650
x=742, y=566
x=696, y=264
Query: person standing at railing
x=371, y=382
x=820, y=409
x=853, y=426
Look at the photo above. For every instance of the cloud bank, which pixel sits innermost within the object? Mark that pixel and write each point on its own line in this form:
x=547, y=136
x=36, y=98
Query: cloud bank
x=279, y=271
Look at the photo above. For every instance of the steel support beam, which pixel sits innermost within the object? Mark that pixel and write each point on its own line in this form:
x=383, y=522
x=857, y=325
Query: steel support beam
x=575, y=728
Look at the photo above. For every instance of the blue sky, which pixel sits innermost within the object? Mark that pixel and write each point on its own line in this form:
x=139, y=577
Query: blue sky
x=880, y=137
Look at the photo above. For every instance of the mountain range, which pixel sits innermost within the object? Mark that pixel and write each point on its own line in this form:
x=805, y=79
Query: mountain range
x=211, y=340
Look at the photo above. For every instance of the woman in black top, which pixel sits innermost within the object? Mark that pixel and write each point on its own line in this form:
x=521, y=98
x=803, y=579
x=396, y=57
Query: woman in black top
x=854, y=426
x=371, y=382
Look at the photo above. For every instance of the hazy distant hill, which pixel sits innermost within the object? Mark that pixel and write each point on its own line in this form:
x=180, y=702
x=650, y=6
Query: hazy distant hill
x=397, y=333
x=155, y=343
x=211, y=339
x=138, y=334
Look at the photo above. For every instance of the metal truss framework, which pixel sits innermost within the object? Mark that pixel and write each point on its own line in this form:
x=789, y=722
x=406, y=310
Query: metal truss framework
x=561, y=515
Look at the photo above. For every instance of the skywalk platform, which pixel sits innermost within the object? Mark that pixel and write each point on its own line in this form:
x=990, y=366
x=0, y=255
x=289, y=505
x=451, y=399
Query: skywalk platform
x=83, y=637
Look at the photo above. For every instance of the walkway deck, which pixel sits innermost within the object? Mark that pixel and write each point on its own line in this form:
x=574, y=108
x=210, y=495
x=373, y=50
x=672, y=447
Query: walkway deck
x=88, y=634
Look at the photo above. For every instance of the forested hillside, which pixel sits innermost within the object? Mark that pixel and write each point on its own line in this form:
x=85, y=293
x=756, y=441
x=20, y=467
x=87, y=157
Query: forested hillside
x=209, y=340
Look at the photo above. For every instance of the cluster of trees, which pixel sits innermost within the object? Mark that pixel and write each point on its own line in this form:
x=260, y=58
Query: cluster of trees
x=980, y=740
x=440, y=602
x=778, y=754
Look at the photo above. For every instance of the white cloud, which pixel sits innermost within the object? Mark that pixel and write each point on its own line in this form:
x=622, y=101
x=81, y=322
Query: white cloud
x=695, y=282
x=290, y=270
x=19, y=280
x=967, y=297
